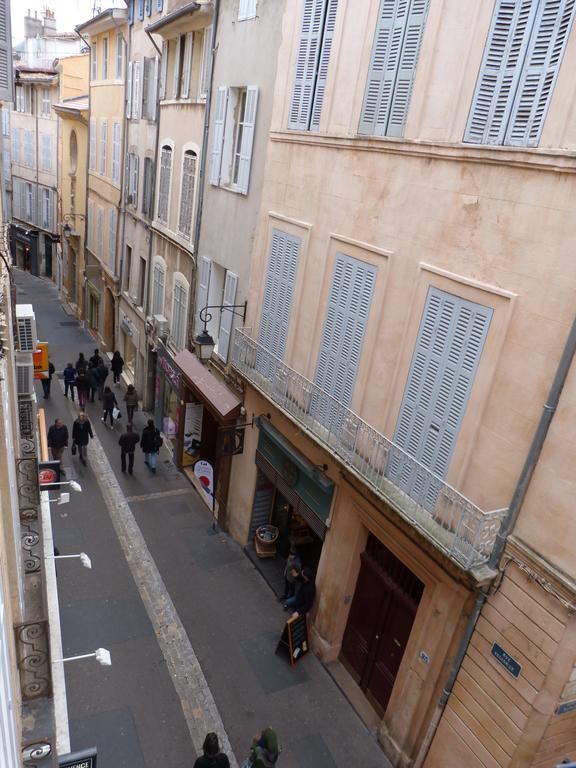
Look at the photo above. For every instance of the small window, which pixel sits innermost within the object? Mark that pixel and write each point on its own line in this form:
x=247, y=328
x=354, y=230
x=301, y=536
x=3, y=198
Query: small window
x=73, y=152
x=94, y=61
x=179, y=312
x=187, y=193
x=103, y=140
x=234, y=126
x=127, y=270
x=164, y=183
x=158, y=287
x=246, y=10
x=119, y=56
x=147, y=186
x=46, y=106
x=141, y=281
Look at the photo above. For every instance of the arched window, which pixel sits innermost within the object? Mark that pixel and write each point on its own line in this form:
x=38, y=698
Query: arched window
x=164, y=183
x=179, y=310
x=73, y=153
x=189, y=162
x=158, y=286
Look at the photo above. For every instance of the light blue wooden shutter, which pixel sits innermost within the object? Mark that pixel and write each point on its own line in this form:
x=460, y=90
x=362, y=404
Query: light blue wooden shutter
x=343, y=335
x=203, y=288
x=226, y=316
x=550, y=32
x=395, y=51
x=306, y=64
x=319, y=90
x=448, y=349
x=248, y=128
x=5, y=52
x=218, y=136
x=278, y=294
x=500, y=71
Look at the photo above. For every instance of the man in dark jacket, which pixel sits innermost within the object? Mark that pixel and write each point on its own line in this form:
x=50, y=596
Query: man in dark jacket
x=92, y=377
x=69, y=380
x=47, y=382
x=128, y=442
x=303, y=600
x=151, y=442
x=81, y=434
x=58, y=440
x=96, y=358
x=101, y=376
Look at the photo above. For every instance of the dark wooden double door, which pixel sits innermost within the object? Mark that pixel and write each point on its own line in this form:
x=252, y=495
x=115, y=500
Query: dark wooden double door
x=380, y=621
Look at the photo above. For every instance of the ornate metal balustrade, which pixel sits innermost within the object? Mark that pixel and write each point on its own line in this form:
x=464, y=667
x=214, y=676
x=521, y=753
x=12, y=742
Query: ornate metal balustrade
x=458, y=527
x=33, y=659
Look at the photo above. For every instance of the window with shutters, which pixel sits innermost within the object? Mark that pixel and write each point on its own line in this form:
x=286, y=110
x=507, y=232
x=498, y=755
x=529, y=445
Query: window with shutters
x=136, y=91
x=5, y=121
x=206, y=62
x=158, y=5
x=47, y=210
x=148, y=7
x=179, y=311
x=278, y=296
x=28, y=148
x=112, y=225
x=140, y=9
x=247, y=10
x=127, y=270
x=119, y=72
x=189, y=163
x=147, y=186
x=6, y=170
x=395, y=51
x=16, y=145
x=163, y=69
x=222, y=347
x=164, y=184
x=347, y=313
x=116, y=146
x=46, y=103
x=141, y=281
x=158, y=286
x=233, y=137
x=46, y=145
x=100, y=233
x=19, y=98
x=90, y=226
x=186, y=66
x=103, y=141
x=131, y=11
x=312, y=61
x=6, y=73
x=149, y=88
x=132, y=179
x=94, y=61
x=104, y=58
x=444, y=364
x=29, y=202
x=522, y=57
x=92, y=153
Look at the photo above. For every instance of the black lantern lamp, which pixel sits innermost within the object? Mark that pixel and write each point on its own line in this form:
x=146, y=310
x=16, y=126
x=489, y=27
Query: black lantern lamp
x=204, y=342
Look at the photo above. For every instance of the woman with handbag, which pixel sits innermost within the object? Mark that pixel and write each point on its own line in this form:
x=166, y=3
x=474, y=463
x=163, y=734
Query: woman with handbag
x=110, y=406
x=81, y=434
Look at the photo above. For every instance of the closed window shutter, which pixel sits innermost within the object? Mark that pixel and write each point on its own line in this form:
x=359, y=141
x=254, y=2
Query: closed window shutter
x=447, y=353
x=159, y=4
x=100, y=233
x=103, y=139
x=306, y=64
x=187, y=193
x=344, y=328
x=226, y=317
x=129, y=91
x=47, y=152
x=332, y=7
x=177, y=73
x=187, y=67
x=90, y=225
x=206, y=62
x=395, y=51
x=112, y=240
x=550, y=32
x=247, y=138
x=203, y=287
x=278, y=294
x=163, y=69
x=136, y=91
x=218, y=138
x=5, y=53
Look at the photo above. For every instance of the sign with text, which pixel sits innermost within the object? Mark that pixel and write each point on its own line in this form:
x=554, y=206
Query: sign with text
x=230, y=441
x=294, y=641
x=85, y=759
x=508, y=662
x=49, y=473
x=204, y=471
x=40, y=360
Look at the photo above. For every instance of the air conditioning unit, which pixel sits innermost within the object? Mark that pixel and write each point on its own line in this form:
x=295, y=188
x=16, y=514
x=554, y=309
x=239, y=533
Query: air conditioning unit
x=24, y=374
x=161, y=327
x=26, y=325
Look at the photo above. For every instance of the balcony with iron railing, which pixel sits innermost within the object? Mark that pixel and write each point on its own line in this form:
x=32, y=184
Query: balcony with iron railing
x=444, y=516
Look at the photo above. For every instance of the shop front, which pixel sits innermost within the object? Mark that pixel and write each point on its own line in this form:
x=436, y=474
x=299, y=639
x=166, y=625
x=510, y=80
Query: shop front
x=294, y=498
x=24, y=248
x=167, y=400
x=130, y=337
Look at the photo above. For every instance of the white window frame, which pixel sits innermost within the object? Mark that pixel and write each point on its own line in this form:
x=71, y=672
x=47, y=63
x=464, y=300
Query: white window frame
x=103, y=143
x=47, y=213
x=119, y=56
x=104, y=63
x=163, y=197
x=247, y=10
x=181, y=286
x=133, y=178
x=187, y=198
x=136, y=90
x=187, y=66
x=233, y=138
x=28, y=201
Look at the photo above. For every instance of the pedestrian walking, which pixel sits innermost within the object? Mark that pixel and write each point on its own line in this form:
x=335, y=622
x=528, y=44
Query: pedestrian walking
x=128, y=442
x=131, y=400
x=81, y=363
x=151, y=442
x=101, y=376
x=108, y=403
x=96, y=358
x=212, y=757
x=58, y=441
x=69, y=380
x=303, y=600
x=92, y=377
x=82, y=388
x=117, y=366
x=291, y=573
x=264, y=751
x=81, y=434
x=47, y=382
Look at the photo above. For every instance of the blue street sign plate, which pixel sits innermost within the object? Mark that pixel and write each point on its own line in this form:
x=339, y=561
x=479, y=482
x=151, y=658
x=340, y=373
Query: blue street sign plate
x=510, y=664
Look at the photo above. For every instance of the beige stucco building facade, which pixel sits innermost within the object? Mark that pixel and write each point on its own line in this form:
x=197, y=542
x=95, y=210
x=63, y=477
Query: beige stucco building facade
x=412, y=289
x=106, y=34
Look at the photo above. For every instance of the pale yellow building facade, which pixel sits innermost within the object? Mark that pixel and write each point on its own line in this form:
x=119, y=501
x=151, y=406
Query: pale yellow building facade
x=412, y=290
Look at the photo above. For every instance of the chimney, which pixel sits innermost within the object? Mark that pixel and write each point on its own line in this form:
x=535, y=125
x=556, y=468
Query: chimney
x=49, y=22
x=32, y=26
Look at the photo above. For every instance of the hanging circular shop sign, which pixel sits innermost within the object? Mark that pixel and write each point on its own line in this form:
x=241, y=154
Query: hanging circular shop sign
x=290, y=472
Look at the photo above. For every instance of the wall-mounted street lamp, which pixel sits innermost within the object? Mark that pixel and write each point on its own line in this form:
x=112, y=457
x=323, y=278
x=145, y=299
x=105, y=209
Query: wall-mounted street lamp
x=84, y=559
x=102, y=656
x=72, y=483
x=204, y=342
x=66, y=228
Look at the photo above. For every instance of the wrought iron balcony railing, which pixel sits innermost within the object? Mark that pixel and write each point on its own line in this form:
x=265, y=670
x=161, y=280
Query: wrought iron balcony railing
x=458, y=527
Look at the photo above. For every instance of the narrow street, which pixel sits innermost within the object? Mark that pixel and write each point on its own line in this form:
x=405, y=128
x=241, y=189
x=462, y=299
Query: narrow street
x=190, y=624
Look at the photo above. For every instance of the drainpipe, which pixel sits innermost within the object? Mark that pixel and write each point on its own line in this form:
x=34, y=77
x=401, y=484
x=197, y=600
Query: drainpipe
x=84, y=319
x=121, y=206
x=548, y=412
x=202, y=174
x=453, y=674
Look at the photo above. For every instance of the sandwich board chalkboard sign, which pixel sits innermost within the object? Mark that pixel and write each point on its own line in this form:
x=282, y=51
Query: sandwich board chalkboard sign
x=294, y=641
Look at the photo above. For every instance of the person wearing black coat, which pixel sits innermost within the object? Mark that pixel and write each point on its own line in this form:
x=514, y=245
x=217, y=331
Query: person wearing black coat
x=81, y=363
x=47, y=382
x=81, y=434
x=151, y=442
x=212, y=757
x=92, y=377
x=108, y=403
x=82, y=387
x=58, y=440
x=96, y=358
x=128, y=442
x=117, y=364
x=69, y=380
x=101, y=376
x=303, y=600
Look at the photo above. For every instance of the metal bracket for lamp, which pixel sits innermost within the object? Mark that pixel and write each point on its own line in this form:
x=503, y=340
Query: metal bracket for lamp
x=204, y=341
x=66, y=218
